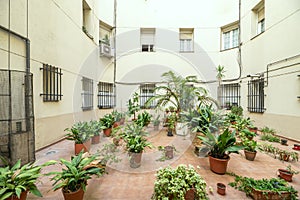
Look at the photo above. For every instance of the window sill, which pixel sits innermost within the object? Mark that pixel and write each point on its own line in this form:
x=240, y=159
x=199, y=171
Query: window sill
x=228, y=49
x=257, y=35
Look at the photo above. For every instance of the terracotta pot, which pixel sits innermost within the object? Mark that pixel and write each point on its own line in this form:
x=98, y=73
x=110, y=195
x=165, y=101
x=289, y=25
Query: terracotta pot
x=79, y=147
x=22, y=197
x=285, y=174
x=169, y=152
x=284, y=157
x=88, y=144
x=78, y=195
x=254, y=130
x=116, y=124
x=267, y=195
x=107, y=132
x=116, y=141
x=135, y=160
x=190, y=194
x=218, y=166
x=96, y=139
x=221, y=188
x=250, y=155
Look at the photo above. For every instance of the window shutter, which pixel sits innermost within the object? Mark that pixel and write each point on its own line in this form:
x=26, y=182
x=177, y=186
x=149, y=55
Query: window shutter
x=147, y=36
x=186, y=34
x=261, y=14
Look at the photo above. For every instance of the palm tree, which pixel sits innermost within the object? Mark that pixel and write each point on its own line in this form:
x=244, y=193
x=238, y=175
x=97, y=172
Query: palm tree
x=220, y=75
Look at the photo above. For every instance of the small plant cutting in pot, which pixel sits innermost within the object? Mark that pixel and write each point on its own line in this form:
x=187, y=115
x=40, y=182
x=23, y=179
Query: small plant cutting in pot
x=183, y=182
x=135, y=143
x=107, y=122
x=95, y=128
x=249, y=148
x=171, y=123
x=17, y=181
x=264, y=189
x=168, y=152
x=287, y=174
x=220, y=145
x=72, y=179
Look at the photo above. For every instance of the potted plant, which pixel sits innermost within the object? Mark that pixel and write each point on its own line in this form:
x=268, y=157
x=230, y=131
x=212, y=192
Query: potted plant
x=221, y=188
x=287, y=174
x=81, y=139
x=220, y=145
x=106, y=123
x=156, y=123
x=168, y=152
x=249, y=148
x=143, y=119
x=264, y=189
x=171, y=123
x=133, y=105
x=246, y=133
x=190, y=185
x=17, y=181
x=95, y=129
x=135, y=143
x=72, y=179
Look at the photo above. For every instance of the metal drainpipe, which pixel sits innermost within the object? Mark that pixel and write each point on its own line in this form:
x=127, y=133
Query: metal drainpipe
x=115, y=50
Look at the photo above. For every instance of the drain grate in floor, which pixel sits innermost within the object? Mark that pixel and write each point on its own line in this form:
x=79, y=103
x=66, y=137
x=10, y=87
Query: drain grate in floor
x=51, y=152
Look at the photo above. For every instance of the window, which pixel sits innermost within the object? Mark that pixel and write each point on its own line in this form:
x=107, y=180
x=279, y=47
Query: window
x=105, y=33
x=186, y=36
x=259, y=13
x=147, y=39
x=87, y=19
x=146, y=91
x=230, y=36
x=51, y=83
x=256, y=96
x=229, y=95
x=106, y=95
x=87, y=94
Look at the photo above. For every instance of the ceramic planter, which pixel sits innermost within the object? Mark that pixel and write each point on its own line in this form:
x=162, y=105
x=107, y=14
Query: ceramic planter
x=221, y=188
x=78, y=195
x=250, y=155
x=135, y=160
x=107, y=132
x=285, y=174
x=218, y=166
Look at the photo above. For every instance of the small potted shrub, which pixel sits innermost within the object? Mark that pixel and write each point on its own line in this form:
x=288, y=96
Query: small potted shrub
x=249, y=148
x=72, y=179
x=287, y=174
x=143, y=119
x=107, y=122
x=247, y=133
x=183, y=182
x=135, y=143
x=220, y=145
x=95, y=131
x=81, y=139
x=17, y=181
x=171, y=123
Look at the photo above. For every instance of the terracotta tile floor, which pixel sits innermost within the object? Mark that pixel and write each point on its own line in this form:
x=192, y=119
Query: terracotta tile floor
x=123, y=182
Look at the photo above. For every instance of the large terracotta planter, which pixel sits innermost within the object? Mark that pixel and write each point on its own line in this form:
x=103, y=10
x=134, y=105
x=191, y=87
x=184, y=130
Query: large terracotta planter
x=285, y=174
x=250, y=155
x=22, y=197
x=107, y=132
x=79, y=147
x=218, y=166
x=78, y=195
x=135, y=160
x=96, y=139
x=267, y=195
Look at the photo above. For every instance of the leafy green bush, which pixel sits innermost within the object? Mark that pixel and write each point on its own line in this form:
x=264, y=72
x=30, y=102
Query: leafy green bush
x=269, y=137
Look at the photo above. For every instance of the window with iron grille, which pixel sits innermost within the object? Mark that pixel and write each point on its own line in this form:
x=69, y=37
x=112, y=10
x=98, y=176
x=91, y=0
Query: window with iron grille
x=146, y=92
x=256, y=96
x=51, y=83
x=106, y=95
x=87, y=94
x=229, y=95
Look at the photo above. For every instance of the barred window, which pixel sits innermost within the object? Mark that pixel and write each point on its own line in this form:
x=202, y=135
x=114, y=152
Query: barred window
x=256, y=96
x=229, y=95
x=106, y=95
x=87, y=94
x=146, y=92
x=51, y=83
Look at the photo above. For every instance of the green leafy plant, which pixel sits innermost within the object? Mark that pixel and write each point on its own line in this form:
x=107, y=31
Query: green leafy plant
x=156, y=121
x=237, y=110
x=76, y=172
x=277, y=185
x=174, y=183
x=163, y=150
x=269, y=137
x=107, y=121
x=268, y=130
x=133, y=105
x=249, y=145
x=220, y=145
x=277, y=152
x=171, y=121
x=246, y=133
x=143, y=119
x=134, y=137
x=17, y=179
x=75, y=135
x=290, y=170
x=95, y=127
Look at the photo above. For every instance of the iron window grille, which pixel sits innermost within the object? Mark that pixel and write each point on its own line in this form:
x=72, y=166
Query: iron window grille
x=87, y=94
x=52, y=81
x=229, y=95
x=106, y=95
x=256, y=96
x=146, y=92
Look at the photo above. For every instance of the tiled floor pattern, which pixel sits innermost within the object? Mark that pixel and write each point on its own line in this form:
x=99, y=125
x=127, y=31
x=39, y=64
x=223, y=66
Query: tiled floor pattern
x=125, y=183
